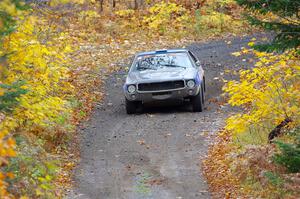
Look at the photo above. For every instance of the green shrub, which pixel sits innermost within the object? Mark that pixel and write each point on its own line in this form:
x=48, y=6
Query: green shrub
x=289, y=156
x=274, y=179
x=11, y=92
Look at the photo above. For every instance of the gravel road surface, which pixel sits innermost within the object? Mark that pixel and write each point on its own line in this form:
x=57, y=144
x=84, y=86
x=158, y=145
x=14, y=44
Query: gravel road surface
x=155, y=154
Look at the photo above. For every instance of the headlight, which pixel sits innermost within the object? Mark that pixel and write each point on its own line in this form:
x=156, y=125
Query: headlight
x=131, y=89
x=190, y=83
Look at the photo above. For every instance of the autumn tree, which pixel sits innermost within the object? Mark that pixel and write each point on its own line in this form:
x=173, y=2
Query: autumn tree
x=281, y=16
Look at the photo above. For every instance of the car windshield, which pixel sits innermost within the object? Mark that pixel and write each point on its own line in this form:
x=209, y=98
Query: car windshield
x=159, y=61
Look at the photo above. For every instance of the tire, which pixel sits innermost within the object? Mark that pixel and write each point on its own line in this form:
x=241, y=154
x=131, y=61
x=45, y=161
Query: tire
x=197, y=103
x=131, y=106
x=203, y=94
x=204, y=85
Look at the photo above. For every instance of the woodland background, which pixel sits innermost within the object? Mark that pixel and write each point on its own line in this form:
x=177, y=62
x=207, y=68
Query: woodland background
x=51, y=53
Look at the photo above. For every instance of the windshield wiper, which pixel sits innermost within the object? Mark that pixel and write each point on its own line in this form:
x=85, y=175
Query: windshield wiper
x=175, y=66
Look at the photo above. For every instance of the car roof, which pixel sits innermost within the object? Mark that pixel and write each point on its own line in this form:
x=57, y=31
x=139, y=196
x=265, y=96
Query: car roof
x=177, y=50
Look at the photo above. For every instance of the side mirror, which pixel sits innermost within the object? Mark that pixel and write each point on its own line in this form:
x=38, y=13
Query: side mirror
x=198, y=64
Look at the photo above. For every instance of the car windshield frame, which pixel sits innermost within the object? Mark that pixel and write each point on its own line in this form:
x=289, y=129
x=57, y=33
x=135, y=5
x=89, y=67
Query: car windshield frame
x=189, y=63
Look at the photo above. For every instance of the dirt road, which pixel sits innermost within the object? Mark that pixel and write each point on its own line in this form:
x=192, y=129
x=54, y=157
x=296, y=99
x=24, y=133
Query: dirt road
x=155, y=154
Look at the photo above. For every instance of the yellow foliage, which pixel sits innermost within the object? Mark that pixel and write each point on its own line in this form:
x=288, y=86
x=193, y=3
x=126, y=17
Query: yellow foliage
x=166, y=15
x=44, y=70
x=7, y=144
x=35, y=54
x=125, y=13
x=221, y=21
x=269, y=93
x=8, y=7
x=176, y=19
x=57, y=2
x=220, y=2
x=6, y=150
x=88, y=14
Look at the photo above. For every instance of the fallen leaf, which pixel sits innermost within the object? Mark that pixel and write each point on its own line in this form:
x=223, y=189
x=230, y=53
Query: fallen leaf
x=141, y=142
x=236, y=54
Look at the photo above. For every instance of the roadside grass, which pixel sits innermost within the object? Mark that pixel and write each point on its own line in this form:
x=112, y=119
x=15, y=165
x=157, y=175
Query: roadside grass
x=255, y=136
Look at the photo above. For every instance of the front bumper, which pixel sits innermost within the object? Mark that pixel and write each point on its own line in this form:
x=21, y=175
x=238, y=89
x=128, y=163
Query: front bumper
x=146, y=97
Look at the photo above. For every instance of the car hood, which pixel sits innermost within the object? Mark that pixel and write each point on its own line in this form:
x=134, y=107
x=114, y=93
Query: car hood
x=164, y=74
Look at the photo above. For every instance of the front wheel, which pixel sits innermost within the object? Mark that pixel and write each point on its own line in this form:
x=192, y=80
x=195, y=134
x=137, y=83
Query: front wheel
x=197, y=102
x=131, y=106
x=203, y=94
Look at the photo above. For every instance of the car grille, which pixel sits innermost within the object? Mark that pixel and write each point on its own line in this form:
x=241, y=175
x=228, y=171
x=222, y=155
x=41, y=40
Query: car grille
x=159, y=86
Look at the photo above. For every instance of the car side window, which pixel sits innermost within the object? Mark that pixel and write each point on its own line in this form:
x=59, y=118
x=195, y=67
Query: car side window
x=193, y=57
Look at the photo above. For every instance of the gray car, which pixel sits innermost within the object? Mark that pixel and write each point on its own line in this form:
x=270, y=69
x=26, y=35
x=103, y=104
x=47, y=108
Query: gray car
x=164, y=75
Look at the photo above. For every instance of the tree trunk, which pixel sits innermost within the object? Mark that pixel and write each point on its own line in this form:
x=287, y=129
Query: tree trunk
x=136, y=5
x=277, y=130
x=101, y=5
x=113, y=3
